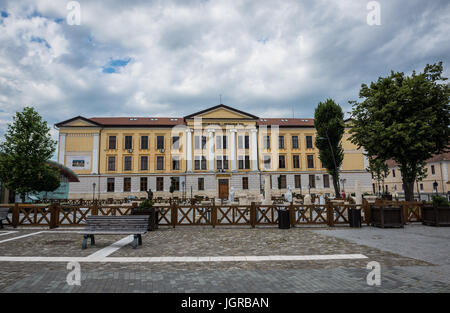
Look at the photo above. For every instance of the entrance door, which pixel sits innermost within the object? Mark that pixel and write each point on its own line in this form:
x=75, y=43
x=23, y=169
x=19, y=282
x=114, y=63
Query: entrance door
x=223, y=188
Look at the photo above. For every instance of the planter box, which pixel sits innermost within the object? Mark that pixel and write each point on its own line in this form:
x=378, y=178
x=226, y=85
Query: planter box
x=152, y=221
x=386, y=216
x=435, y=216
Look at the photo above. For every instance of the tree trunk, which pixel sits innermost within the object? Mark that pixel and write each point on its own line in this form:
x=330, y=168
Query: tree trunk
x=336, y=186
x=22, y=196
x=409, y=190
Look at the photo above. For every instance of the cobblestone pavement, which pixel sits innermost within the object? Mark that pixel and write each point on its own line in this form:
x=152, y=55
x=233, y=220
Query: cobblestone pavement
x=401, y=271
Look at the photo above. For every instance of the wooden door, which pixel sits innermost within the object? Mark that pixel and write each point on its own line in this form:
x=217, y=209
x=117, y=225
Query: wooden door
x=223, y=188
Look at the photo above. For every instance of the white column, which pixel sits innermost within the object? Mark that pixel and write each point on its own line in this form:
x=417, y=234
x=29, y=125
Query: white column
x=189, y=150
x=254, y=150
x=62, y=148
x=232, y=134
x=211, y=150
x=95, y=156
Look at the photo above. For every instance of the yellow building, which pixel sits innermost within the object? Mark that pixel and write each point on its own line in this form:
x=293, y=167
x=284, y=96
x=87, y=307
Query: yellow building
x=205, y=153
x=437, y=168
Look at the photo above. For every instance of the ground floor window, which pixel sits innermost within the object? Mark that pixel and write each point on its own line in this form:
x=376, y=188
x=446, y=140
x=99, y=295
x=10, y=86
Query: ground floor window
x=110, y=185
x=175, y=182
x=244, y=182
x=159, y=183
x=298, y=182
x=144, y=184
x=201, y=183
x=282, y=182
x=326, y=181
x=312, y=181
x=127, y=184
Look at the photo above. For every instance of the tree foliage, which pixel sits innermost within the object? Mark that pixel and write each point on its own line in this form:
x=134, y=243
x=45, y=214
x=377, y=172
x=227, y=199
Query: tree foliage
x=25, y=152
x=329, y=124
x=404, y=118
x=378, y=169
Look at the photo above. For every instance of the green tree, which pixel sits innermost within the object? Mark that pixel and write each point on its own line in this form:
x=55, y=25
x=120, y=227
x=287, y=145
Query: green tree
x=378, y=169
x=404, y=118
x=25, y=152
x=330, y=126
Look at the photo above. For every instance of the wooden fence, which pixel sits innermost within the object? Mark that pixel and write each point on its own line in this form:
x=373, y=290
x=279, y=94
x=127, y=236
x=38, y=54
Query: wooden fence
x=331, y=214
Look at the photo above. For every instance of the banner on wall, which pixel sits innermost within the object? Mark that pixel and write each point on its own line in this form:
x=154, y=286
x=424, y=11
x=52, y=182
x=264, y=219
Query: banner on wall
x=79, y=162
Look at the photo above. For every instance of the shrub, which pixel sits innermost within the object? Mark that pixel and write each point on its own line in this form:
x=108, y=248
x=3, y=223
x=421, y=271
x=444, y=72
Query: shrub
x=440, y=201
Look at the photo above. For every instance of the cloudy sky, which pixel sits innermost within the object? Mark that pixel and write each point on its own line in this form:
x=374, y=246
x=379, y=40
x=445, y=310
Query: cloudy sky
x=173, y=58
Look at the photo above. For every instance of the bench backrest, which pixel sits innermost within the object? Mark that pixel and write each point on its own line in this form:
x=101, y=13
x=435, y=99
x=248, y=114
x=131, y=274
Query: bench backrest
x=3, y=213
x=117, y=223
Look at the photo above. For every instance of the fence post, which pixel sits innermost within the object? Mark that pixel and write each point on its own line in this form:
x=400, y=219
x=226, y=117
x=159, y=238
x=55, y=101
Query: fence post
x=214, y=216
x=405, y=213
x=52, y=209
x=292, y=214
x=15, y=215
x=367, y=212
x=94, y=208
x=173, y=214
x=330, y=214
x=253, y=214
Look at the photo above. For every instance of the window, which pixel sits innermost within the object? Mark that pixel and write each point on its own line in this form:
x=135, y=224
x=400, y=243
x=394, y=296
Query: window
x=281, y=161
x=267, y=162
x=112, y=142
x=127, y=184
x=266, y=142
x=243, y=142
x=144, y=163
x=282, y=182
x=159, y=142
x=197, y=142
x=110, y=185
x=200, y=163
x=312, y=181
x=421, y=187
x=326, y=181
x=144, y=184
x=222, y=162
x=127, y=163
x=175, y=163
x=432, y=170
x=159, y=183
x=393, y=173
x=159, y=163
x=244, y=162
x=111, y=163
x=221, y=142
x=296, y=161
x=244, y=182
x=298, y=181
x=294, y=142
x=280, y=142
x=201, y=183
x=175, y=142
x=175, y=181
x=128, y=142
x=144, y=142
x=309, y=143
x=310, y=159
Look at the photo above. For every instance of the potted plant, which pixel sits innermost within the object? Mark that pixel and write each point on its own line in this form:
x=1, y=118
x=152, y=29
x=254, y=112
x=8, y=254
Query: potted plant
x=437, y=213
x=146, y=208
x=383, y=215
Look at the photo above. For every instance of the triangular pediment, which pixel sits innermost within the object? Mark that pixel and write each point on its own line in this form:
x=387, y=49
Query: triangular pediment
x=78, y=121
x=222, y=112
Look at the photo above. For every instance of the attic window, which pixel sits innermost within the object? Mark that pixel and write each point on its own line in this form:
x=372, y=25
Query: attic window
x=284, y=120
x=133, y=119
x=174, y=119
x=153, y=119
x=264, y=120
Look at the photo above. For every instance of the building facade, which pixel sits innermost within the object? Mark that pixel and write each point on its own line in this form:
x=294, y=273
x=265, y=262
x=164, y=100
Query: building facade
x=437, y=167
x=205, y=153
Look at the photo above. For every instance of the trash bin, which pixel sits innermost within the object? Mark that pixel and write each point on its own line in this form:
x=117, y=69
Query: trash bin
x=283, y=219
x=354, y=217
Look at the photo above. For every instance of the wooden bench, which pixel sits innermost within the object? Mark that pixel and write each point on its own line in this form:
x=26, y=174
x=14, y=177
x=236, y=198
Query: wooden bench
x=3, y=214
x=135, y=225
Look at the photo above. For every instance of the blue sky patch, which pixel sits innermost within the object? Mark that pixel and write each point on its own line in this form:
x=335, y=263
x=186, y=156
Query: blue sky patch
x=4, y=14
x=40, y=40
x=114, y=65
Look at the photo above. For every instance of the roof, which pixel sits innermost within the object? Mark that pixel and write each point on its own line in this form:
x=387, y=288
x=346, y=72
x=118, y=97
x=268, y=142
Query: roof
x=138, y=121
x=64, y=170
x=76, y=118
x=435, y=158
x=220, y=106
x=287, y=122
